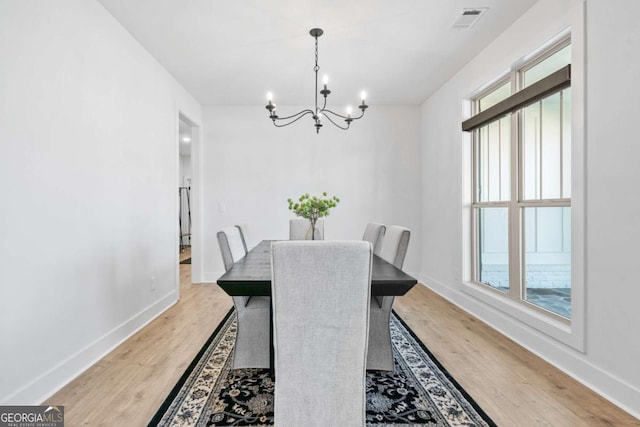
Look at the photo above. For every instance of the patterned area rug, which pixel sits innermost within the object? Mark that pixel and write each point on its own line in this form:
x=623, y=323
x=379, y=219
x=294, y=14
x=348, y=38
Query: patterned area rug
x=418, y=393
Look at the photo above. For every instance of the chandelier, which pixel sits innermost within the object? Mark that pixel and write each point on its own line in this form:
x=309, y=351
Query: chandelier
x=318, y=113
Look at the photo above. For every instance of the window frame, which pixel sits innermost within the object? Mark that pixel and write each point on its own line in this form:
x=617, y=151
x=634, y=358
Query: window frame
x=517, y=203
x=475, y=204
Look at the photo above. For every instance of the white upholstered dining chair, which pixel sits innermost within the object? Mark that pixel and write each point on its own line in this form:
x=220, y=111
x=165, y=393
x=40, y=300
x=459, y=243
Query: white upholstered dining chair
x=380, y=353
x=320, y=294
x=374, y=233
x=252, y=346
x=299, y=227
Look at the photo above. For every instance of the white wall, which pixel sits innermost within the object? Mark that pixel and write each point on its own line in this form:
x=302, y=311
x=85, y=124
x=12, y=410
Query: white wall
x=253, y=167
x=609, y=363
x=89, y=162
x=613, y=175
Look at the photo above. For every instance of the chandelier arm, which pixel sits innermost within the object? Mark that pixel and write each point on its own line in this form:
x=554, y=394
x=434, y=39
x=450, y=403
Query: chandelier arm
x=335, y=124
x=301, y=115
x=360, y=116
x=303, y=112
x=344, y=117
x=334, y=113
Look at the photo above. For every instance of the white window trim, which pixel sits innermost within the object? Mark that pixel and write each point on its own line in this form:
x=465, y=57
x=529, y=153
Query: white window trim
x=571, y=333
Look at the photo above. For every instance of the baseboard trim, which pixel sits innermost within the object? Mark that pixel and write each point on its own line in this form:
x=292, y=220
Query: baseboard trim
x=211, y=276
x=47, y=384
x=568, y=360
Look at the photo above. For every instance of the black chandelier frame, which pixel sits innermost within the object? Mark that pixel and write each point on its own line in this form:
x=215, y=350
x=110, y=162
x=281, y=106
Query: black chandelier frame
x=318, y=113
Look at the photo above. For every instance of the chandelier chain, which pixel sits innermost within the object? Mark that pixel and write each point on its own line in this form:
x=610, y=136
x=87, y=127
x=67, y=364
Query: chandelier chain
x=316, y=68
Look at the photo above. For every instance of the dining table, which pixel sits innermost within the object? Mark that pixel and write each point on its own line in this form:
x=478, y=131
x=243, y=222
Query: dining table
x=251, y=276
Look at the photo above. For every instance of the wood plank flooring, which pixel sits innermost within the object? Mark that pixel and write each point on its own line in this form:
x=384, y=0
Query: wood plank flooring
x=512, y=385
x=128, y=385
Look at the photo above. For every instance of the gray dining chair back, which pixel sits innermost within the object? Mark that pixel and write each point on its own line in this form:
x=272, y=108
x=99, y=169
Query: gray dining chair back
x=380, y=352
x=321, y=294
x=374, y=233
x=244, y=242
x=299, y=229
x=395, y=245
x=252, y=346
x=232, y=246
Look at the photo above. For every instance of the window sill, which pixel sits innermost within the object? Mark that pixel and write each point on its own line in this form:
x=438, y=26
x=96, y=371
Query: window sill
x=562, y=331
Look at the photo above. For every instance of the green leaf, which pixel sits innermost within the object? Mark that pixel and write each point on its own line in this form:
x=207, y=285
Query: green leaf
x=313, y=207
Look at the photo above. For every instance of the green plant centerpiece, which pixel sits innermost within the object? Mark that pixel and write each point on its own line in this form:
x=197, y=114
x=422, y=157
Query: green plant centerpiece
x=313, y=207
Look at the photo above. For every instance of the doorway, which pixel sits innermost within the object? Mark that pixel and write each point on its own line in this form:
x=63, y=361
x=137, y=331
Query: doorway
x=185, y=138
x=188, y=200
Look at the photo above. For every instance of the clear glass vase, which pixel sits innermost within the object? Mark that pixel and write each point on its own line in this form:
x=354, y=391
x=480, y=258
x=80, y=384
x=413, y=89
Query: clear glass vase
x=313, y=233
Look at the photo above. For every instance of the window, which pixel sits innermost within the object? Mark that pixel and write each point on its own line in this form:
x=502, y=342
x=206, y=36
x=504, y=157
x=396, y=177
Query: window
x=521, y=184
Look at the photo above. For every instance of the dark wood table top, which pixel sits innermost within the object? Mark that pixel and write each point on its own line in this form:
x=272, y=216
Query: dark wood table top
x=251, y=276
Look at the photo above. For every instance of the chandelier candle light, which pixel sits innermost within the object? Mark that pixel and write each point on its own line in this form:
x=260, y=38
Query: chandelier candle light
x=317, y=114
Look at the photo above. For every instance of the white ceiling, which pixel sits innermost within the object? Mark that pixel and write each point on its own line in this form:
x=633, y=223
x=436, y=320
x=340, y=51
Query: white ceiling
x=233, y=52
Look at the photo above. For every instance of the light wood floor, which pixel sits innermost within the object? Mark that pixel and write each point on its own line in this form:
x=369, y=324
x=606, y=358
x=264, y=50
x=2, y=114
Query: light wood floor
x=512, y=385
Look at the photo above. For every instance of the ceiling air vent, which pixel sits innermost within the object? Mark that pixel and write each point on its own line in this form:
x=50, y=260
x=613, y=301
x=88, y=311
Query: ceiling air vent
x=467, y=18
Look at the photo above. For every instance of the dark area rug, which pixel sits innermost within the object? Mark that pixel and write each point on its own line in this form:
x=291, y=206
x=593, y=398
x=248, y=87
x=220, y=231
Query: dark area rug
x=186, y=261
x=419, y=392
